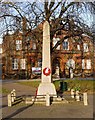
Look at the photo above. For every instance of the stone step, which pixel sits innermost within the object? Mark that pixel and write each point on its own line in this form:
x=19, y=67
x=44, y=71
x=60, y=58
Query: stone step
x=42, y=100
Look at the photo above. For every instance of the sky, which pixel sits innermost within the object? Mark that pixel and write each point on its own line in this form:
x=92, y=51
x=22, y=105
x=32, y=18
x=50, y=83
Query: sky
x=43, y=0
x=0, y=40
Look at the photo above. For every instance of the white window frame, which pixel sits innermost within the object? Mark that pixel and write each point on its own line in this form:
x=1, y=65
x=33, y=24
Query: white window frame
x=18, y=45
x=23, y=64
x=34, y=46
x=78, y=47
x=39, y=63
x=88, y=64
x=65, y=47
x=85, y=47
x=70, y=63
x=14, y=63
x=0, y=50
x=55, y=40
x=83, y=64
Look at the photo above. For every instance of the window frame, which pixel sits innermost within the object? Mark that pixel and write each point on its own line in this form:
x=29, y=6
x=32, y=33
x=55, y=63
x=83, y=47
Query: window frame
x=85, y=47
x=88, y=63
x=65, y=47
x=23, y=63
x=70, y=63
x=34, y=46
x=55, y=40
x=39, y=62
x=1, y=50
x=78, y=47
x=18, y=45
x=15, y=63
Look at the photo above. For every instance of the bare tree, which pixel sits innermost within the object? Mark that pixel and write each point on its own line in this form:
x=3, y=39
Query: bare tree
x=61, y=16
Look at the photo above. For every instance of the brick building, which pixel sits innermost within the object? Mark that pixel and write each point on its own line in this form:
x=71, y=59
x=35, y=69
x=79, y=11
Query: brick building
x=76, y=54
x=19, y=57
x=22, y=57
x=0, y=60
x=0, y=53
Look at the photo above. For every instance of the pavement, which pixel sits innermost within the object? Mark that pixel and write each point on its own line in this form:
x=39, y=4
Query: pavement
x=70, y=110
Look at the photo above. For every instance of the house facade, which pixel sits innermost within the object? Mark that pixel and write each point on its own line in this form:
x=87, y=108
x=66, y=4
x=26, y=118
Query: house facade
x=12, y=52
x=22, y=58
x=75, y=54
x=1, y=53
x=19, y=57
x=1, y=60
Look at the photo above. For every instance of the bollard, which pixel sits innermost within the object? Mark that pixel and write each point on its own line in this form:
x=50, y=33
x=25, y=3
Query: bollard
x=9, y=100
x=72, y=93
x=47, y=100
x=71, y=73
x=77, y=96
x=12, y=96
x=14, y=92
x=85, y=99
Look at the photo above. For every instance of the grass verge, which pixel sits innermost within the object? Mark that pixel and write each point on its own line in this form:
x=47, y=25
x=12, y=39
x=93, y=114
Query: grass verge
x=31, y=83
x=82, y=85
x=4, y=90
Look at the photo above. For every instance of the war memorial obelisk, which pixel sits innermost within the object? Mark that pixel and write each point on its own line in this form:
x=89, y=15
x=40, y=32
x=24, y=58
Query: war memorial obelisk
x=46, y=86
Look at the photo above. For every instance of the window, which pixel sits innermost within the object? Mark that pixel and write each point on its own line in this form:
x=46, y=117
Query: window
x=66, y=45
x=18, y=44
x=70, y=63
x=0, y=50
x=39, y=62
x=55, y=40
x=34, y=45
x=23, y=64
x=85, y=46
x=78, y=47
x=88, y=64
x=83, y=64
x=15, y=64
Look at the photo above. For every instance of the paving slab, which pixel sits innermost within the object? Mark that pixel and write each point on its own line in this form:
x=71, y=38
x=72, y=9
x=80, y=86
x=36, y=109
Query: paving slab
x=70, y=110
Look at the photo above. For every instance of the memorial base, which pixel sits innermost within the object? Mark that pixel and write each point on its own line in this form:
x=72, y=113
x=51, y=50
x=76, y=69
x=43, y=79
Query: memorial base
x=46, y=88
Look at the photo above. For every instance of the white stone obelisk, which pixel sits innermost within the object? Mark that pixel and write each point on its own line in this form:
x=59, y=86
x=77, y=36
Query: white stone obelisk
x=46, y=86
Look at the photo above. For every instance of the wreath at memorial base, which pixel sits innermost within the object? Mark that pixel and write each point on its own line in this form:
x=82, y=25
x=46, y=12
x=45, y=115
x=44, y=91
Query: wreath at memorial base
x=46, y=71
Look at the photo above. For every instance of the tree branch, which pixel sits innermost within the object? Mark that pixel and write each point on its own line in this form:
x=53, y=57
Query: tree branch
x=63, y=9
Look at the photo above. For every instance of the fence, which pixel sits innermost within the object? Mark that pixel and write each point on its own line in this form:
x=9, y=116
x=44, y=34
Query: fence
x=13, y=99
